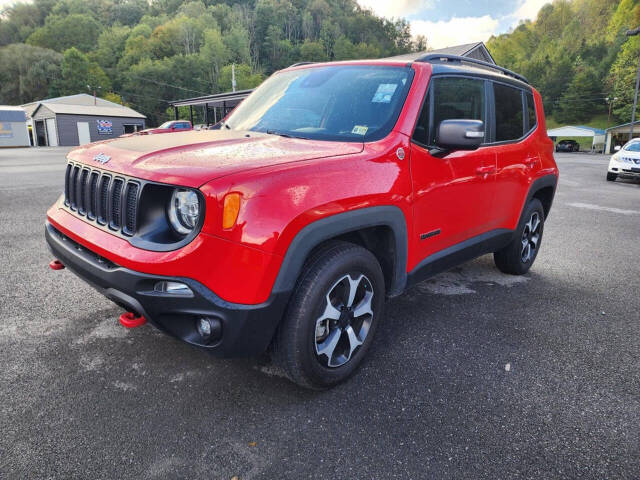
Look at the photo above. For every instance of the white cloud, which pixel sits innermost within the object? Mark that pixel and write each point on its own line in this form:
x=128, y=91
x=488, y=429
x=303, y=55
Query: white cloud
x=396, y=8
x=457, y=31
x=529, y=10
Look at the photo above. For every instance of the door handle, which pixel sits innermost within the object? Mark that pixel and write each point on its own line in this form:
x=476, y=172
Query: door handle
x=530, y=162
x=486, y=170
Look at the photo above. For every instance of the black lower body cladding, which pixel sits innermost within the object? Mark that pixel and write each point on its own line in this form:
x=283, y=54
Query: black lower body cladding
x=246, y=329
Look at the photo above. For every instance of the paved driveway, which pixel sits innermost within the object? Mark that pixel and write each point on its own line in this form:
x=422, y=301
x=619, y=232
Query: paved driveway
x=473, y=375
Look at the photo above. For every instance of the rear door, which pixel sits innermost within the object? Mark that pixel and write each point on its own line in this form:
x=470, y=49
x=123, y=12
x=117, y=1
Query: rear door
x=453, y=193
x=515, y=119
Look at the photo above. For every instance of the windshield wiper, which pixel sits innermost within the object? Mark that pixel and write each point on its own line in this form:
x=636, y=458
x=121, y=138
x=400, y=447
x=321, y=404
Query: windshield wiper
x=285, y=135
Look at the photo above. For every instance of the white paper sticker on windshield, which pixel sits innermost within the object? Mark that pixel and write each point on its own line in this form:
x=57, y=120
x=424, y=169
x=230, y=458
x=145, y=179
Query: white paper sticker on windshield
x=359, y=130
x=384, y=93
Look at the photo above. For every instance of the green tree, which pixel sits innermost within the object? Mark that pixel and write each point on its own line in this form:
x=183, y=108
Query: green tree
x=28, y=73
x=312, y=52
x=75, y=72
x=582, y=97
x=62, y=32
x=215, y=54
x=245, y=78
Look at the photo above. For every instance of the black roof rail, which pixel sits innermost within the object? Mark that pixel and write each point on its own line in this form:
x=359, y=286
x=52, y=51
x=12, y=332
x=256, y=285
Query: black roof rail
x=438, y=57
x=299, y=64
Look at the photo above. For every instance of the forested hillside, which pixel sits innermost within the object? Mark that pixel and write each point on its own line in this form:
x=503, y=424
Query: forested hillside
x=577, y=55
x=145, y=53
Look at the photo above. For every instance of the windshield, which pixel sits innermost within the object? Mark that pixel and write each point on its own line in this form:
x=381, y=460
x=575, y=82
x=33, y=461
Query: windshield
x=632, y=147
x=345, y=103
x=165, y=125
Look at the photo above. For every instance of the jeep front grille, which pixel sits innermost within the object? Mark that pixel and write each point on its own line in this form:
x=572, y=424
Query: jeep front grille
x=102, y=197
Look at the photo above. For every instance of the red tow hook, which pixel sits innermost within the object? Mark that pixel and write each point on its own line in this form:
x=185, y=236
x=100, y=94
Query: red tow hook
x=130, y=320
x=56, y=264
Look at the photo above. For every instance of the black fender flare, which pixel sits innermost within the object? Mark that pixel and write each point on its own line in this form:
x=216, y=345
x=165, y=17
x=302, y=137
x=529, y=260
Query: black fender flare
x=550, y=180
x=326, y=228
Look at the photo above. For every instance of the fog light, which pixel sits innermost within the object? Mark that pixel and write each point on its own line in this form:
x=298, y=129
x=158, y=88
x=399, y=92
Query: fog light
x=173, y=288
x=209, y=328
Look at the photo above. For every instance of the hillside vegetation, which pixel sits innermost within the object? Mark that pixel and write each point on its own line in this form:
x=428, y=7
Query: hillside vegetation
x=577, y=55
x=147, y=52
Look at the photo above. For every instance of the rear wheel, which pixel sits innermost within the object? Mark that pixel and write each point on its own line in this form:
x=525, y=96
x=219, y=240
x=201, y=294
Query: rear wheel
x=518, y=256
x=611, y=176
x=332, y=317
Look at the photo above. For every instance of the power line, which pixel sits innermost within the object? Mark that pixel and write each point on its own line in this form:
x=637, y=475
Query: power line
x=169, y=85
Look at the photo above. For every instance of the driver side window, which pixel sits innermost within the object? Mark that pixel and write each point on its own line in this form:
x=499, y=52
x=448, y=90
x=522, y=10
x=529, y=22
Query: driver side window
x=449, y=98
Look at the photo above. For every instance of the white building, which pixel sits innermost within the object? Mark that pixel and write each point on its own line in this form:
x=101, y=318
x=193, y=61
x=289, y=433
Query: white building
x=13, y=127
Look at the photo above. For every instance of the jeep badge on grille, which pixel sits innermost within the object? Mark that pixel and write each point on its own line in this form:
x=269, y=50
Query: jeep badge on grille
x=101, y=158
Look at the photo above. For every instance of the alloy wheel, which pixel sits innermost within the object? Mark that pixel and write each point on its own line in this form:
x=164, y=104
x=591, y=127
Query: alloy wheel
x=345, y=322
x=531, y=237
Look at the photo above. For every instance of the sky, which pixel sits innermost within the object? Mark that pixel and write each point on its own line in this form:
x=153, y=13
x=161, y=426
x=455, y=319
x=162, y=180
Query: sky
x=454, y=22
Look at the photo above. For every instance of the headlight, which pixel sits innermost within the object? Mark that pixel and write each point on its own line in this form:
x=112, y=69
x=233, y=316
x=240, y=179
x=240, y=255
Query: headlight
x=184, y=211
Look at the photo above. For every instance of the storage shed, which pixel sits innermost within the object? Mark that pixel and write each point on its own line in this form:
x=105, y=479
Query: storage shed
x=597, y=135
x=13, y=127
x=80, y=119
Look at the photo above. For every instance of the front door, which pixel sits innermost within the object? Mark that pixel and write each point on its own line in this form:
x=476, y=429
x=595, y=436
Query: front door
x=453, y=193
x=84, y=136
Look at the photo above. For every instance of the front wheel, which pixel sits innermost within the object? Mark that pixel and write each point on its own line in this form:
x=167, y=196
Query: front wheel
x=611, y=176
x=518, y=256
x=332, y=316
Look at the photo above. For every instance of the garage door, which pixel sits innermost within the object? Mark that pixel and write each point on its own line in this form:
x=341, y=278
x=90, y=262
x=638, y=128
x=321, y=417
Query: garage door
x=52, y=132
x=84, y=136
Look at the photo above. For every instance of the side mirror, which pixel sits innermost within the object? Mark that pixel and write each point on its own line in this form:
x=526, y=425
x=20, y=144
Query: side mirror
x=617, y=148
x=460, y=134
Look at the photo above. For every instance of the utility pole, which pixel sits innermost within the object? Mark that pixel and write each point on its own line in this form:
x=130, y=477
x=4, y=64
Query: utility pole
x=633, y=33
x=94, y=93
x=610, y=101
x=233, y=77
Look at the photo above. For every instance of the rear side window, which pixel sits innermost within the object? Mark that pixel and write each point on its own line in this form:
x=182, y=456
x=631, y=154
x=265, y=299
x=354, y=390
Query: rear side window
x=449, y=98
x=509, y=112
x=531, y=112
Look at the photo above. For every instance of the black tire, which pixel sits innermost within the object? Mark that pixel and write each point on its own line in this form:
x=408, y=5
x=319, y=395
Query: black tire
x=511, y=259
x=611, y=177
x=296, y=343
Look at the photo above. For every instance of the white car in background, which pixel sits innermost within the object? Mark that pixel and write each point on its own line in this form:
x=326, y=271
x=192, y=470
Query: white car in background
x=625, y=162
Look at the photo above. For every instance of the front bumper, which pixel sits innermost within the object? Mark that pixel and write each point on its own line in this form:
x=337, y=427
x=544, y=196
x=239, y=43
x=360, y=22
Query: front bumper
x=624, y=169
x=246, y=329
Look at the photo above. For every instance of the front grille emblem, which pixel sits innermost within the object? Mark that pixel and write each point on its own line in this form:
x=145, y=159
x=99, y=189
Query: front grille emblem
x=101, y=158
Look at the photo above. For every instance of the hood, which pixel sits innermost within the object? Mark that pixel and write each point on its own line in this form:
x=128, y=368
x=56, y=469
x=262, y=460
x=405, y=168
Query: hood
x=196, y=157
x=627, y=154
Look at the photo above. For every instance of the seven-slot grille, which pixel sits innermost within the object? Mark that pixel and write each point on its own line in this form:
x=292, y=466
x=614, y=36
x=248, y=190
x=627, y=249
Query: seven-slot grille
x=102, y=197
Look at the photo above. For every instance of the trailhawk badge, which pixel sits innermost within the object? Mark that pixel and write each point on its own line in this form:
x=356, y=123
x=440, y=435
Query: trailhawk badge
x=101, y=158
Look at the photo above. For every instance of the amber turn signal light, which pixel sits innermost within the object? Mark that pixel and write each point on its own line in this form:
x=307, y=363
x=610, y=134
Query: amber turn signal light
x=230, y=210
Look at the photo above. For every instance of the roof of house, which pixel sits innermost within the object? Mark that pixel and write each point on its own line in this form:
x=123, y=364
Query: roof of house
x=82, y=104
x=623, y=125
x=9, y=113
x=458, y=50
x=575, y=131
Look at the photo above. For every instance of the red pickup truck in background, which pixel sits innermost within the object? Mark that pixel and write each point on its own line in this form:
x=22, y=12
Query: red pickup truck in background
x=168, y=127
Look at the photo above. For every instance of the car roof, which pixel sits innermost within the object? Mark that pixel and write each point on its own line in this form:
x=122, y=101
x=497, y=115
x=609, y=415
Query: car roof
x=440, y=65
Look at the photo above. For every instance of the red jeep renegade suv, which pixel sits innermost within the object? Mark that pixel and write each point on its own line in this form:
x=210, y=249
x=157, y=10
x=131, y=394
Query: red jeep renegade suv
x=330, y=188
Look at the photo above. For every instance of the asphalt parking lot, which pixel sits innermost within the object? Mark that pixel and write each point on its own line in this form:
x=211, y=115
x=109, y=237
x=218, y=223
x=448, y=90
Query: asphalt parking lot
x=473, y=375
